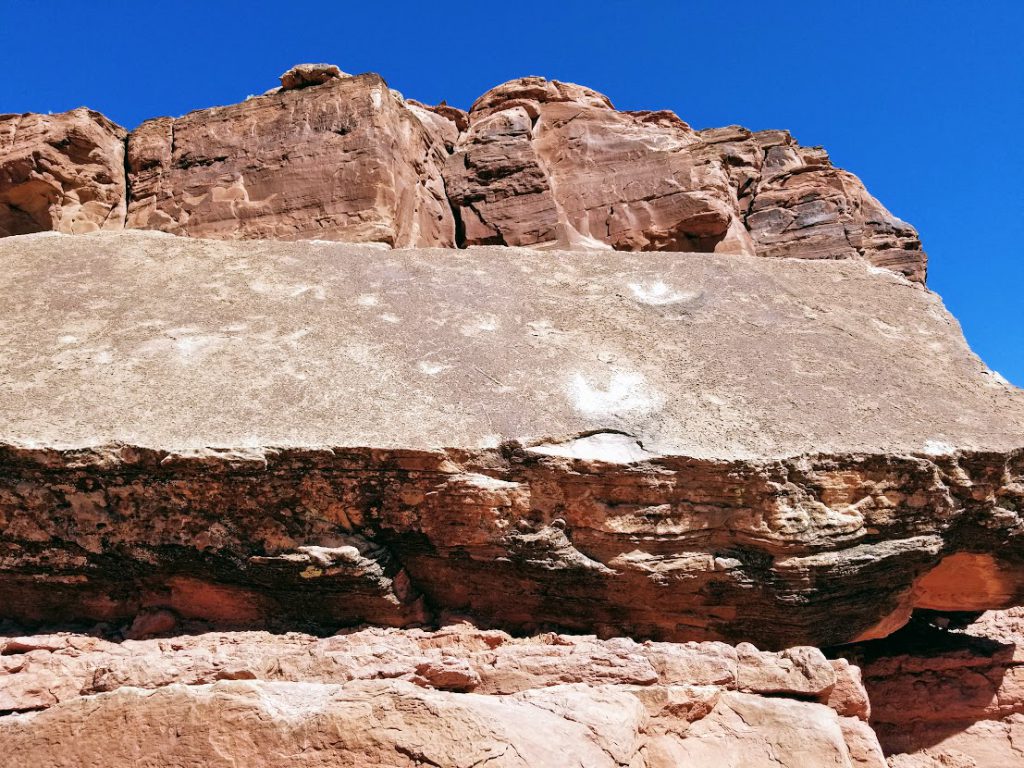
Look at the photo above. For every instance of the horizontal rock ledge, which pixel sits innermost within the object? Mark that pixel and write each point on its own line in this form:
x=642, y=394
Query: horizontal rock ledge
x=661, y=445
x=404, y=698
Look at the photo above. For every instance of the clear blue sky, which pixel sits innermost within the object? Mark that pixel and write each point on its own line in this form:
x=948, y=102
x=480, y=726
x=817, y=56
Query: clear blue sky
x=923, y=100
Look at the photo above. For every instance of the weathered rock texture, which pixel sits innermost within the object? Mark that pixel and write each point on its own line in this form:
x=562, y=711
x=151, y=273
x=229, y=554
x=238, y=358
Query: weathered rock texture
x=327, y=157
x=549, y=162
x=458, y=697
x=544, y=162
x=951, y=697
x=62, y=173
x=534, y=163
x=795, y=203
x=302, y=435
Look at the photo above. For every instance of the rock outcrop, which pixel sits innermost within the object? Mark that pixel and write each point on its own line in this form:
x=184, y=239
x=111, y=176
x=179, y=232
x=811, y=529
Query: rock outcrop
x=545, y=162
x=327, y=157
x=534, y=162
x=795, y=203
x=61, y=173
x=402, y=698
x=628, y=444
x=946, y=695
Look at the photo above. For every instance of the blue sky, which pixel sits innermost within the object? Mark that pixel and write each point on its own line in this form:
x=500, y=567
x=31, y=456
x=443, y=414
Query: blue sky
x=924, y=100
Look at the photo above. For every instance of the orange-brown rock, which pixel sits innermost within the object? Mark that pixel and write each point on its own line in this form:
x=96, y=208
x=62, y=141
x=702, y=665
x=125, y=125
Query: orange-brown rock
x=62, y=173
x=535, y=163
x=397, y=698
x=795, y=203
x=945, y=695
x=544, y=162
x=327, y=157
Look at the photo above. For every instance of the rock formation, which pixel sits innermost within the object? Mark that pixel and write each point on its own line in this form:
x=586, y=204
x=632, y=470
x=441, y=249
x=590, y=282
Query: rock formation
x=61, y=173
x=326, y=157
x=795, y=203
x=455, y=697
x=330, y=156
x=349, y=435
x=481, y=483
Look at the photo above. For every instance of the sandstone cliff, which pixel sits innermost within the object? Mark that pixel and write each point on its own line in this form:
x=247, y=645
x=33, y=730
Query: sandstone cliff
x=537, y=163
x=63, y=173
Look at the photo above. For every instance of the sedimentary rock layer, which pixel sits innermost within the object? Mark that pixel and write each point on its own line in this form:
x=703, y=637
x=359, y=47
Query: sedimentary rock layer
x=665, y=446
x=458, y=697
x=534, y=163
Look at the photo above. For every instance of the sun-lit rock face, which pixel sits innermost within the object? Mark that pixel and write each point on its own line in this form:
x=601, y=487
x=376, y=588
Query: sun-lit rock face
x=402, y=698
x=553, y=412
x=550, y=163
x=628, y=443
x=795, y=203
x=326, y=157
x=535, y=162
x=61, y=173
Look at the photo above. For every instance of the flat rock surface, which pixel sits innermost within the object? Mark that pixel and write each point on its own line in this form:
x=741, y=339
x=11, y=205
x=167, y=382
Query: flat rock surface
x=177, y=344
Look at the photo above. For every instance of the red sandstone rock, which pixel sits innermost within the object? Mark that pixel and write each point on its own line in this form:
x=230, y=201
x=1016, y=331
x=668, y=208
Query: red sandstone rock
x=535, y=162
x=63, y=173
x=795, y=203
x=539, y=701
x=545, y=162
x=344, y=159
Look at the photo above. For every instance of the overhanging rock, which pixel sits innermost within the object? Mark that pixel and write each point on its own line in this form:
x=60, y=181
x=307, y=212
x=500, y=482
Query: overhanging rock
x=673, y=446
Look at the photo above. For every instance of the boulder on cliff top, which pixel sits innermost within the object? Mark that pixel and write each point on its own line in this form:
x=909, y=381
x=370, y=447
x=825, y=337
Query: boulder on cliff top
x=305, y=75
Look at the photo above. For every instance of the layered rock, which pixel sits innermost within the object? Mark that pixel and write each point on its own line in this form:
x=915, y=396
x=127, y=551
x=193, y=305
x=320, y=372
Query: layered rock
x=544, y=162
x=795, y=203
x=61, y=173
x=534, y=163
x=627, y=444
x=455, y=697
x=947, y=695
x=327, y=156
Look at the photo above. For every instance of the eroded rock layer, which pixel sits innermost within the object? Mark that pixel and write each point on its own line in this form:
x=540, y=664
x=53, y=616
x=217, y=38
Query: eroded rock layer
x=534, y=163
x=457, y=697
x=596, y=442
